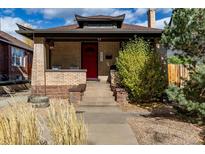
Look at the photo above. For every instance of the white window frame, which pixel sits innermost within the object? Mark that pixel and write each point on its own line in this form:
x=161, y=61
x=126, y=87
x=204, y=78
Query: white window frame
x=18, y=54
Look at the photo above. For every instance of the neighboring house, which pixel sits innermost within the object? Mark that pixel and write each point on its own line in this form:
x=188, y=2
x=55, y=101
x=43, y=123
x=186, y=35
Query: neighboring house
x=15, y=58
x=70, y=55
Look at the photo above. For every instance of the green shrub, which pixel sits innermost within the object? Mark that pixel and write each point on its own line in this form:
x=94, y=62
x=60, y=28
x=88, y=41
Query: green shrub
x=191, y=97
x=178, y=60
x=140, y=70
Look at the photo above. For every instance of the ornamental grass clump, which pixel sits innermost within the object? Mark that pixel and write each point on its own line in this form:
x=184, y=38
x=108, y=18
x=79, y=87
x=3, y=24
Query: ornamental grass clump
x=64, y=125
x=18, y=125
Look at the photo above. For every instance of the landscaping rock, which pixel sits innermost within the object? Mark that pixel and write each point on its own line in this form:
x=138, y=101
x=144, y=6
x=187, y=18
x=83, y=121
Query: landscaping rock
x=39, y=101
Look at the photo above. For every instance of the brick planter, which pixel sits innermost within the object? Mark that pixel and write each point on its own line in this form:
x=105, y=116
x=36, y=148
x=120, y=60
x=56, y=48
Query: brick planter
x=75, y=97
x=121, y=96
x=76, y=93
x=114, y=79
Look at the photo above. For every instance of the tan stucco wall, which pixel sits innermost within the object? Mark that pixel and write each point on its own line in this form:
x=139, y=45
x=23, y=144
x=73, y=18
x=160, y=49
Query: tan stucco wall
x=108, y=48
x=66, y=54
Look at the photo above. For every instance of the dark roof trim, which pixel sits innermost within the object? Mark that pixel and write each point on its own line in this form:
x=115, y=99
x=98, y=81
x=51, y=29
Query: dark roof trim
x=90, y=31
x=45, y=32
x=21, y=27
x=5, y=41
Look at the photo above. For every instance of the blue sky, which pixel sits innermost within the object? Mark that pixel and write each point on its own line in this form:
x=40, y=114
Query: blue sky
x=45, y=18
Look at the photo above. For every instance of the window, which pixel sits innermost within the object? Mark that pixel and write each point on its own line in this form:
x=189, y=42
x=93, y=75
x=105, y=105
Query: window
x=17, y=57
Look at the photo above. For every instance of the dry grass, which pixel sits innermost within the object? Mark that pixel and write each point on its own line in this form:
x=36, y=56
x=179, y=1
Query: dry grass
x=18, y=125
x=64, y=125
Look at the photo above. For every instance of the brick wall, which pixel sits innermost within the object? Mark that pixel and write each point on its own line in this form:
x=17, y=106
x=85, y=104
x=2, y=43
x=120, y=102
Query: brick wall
x=8, y=69
x=57, y=84
x=38, y=66
x=3, y=60
x=66, y=77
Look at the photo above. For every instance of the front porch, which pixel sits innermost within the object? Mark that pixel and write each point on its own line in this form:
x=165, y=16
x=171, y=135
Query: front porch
x=60, y=65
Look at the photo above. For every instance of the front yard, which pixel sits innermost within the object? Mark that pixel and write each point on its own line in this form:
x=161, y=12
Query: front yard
x=158, y=123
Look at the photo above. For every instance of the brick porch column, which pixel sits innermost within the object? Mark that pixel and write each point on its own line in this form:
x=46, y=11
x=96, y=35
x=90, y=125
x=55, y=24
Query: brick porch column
x=38, y=67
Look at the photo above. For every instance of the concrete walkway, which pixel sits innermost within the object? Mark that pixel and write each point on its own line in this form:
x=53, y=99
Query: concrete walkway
x=105, y=121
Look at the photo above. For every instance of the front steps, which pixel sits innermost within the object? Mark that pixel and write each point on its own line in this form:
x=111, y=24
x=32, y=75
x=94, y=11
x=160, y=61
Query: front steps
x=98, y=94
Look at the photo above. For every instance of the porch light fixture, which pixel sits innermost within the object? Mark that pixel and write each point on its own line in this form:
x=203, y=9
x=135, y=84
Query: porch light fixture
x=157, y=45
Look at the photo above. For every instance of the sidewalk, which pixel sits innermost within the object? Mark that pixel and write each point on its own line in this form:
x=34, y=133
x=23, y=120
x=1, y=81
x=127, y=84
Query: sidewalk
x=106, y=123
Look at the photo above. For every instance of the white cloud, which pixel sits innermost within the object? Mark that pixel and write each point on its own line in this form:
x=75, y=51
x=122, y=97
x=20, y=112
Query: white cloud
x=165, y=10
x=159, y=23
x=141, y=11
x=8, y=11
x=8, y=25
x=68, y=14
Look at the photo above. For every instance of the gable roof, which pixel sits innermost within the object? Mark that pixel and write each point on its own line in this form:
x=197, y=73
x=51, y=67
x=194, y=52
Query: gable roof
x=5, y=37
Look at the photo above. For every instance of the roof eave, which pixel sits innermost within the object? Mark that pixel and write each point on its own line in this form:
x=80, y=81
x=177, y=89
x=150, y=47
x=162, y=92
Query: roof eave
x=10, y=43
x=87, y=32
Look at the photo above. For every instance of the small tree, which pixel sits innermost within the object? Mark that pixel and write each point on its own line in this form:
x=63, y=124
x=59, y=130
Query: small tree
x=140, y=70
x=186, y=32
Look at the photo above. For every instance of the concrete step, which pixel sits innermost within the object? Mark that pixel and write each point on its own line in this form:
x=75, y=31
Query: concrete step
x=97, y=99
x=92, y=103
x=96, y=95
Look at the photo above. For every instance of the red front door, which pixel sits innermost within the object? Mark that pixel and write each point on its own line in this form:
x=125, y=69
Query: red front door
x=90, y=59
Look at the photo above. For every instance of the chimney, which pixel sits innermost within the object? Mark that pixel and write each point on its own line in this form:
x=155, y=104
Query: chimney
x=151, y=18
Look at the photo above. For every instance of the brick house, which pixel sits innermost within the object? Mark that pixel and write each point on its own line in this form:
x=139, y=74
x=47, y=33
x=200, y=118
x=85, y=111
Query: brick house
x=15, y=58
x=70, y=55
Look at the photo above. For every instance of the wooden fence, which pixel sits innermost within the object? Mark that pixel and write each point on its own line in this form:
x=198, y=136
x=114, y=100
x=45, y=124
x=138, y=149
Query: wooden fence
x=177, y=73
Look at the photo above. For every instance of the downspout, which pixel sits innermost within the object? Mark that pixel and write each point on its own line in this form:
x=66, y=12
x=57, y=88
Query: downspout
x=44, y=46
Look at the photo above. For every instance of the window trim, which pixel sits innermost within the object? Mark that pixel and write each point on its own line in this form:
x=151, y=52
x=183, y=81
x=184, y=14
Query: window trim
x=14, y=56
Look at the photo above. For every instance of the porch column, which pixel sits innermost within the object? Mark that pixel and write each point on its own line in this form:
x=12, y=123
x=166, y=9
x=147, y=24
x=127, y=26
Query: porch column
x=38, y=68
